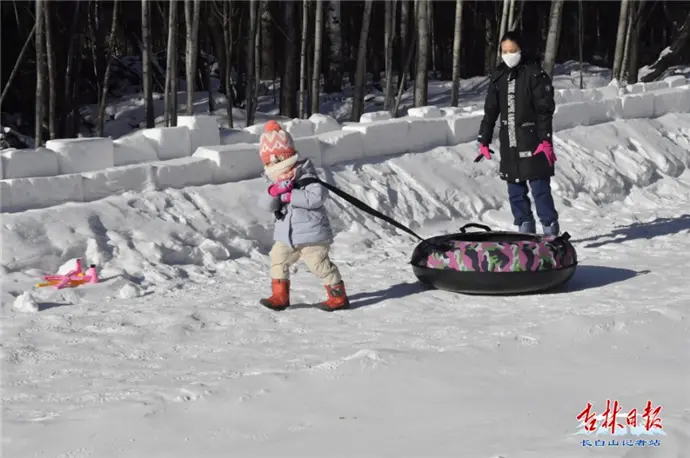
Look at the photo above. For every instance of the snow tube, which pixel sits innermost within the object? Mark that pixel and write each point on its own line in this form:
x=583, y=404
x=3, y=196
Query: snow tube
x=494, y=262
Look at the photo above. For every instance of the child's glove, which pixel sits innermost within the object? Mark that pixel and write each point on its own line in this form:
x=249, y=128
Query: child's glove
x=280, y=188
x=286, y=197
x=546, y=148
x=484, y=153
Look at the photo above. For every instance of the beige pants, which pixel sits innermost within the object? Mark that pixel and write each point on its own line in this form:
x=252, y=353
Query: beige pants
x=314, y=256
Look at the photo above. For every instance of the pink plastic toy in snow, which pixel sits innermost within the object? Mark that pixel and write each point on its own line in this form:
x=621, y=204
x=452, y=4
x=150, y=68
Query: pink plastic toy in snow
x=76, y=272
x=74, y=277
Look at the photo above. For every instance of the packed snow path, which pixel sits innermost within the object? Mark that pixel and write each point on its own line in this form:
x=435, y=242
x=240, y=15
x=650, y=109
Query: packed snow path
x=194, y=367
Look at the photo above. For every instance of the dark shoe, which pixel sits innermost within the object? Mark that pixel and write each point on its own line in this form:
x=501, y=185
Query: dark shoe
x=528, y=228
x=552, y=230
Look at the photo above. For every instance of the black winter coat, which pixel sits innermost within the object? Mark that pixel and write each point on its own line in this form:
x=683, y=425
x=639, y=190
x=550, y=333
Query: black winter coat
x=523, y=97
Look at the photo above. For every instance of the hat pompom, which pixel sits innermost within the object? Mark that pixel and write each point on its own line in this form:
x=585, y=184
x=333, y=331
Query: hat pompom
x=272, y=126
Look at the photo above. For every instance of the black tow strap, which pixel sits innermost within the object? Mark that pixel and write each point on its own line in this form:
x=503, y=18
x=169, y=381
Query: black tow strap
x=356, y=202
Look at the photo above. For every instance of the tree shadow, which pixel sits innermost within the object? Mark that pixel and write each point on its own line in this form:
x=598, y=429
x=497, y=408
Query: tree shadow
x=637, y=231
x=590, y=277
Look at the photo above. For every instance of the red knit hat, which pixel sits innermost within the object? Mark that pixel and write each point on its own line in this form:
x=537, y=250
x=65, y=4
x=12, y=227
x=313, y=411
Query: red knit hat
x=275, y=144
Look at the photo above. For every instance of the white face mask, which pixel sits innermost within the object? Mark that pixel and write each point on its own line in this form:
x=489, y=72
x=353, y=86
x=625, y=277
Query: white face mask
x=511, y=59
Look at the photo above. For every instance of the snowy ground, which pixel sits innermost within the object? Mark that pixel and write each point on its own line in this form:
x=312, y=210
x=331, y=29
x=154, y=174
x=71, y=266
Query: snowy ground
x=171, y=357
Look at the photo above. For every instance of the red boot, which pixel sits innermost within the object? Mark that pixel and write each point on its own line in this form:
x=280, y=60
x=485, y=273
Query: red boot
x=337, y=298
x=280, y=299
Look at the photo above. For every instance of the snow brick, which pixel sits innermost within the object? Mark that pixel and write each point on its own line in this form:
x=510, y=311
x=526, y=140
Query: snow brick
x=24, y=163
x=429, y=111
x=341, y=146
x=231, y=162
x=375, y=116
x=675, y=81
x=323, y=123
x=76, y=155
x=169, y=142
x=425, y=134
x=676, y=100
x=40, y=192
x=235, y=136
x=382, y=138
x=203, y=130
x=309, y=148
x=569, y=115
x=182, y=172
x=299, y=128
x=463, y=129
x=637, y=106
x=103, y=183
x=133, y=149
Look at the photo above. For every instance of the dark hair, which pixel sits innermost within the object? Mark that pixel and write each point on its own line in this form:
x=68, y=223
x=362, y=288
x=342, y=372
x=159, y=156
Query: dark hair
x=515, y=36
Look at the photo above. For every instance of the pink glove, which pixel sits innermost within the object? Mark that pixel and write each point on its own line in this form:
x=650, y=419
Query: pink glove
x=546, y=148
x=484, y=153
x=280, y=188
x=286, y=198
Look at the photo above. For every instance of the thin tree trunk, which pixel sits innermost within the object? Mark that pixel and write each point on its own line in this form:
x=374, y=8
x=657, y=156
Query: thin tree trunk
x=191, y=14
x=52, y=80
x=258, y=47
x=316, y=69
x=626, y=46
x=401, y=87
x=334, y=82
x=288, y=82
x=504, y=26
x=17, y=64
x=227, y=38
x=553, y=36
x=108, y=66
x=432, y=34
x=145, y=64
x=634, y=61
x=511, y=15
x=249, y=92
x=580, y=40
x=422, y=75
x=75, y=37
x=361, y=72
x=171, y=58
x=457, y=47
x=40, y=76
x=620, y=40
x=303, y=61
x=404, y=42
x=389, y=37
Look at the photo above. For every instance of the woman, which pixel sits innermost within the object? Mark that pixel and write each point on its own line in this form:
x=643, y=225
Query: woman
x=521, y=93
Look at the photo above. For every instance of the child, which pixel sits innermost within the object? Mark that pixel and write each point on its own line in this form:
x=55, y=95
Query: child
x=302, y=228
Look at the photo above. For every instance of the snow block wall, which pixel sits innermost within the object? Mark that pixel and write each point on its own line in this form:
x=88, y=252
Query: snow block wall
x=197, y=152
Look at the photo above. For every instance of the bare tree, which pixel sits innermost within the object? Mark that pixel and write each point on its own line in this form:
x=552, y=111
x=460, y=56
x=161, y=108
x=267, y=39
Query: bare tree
x=553, y=36
x=626, y=47
x=227, y=40
x=361, y=72
x=334, y=82
x=620, y=40
x=634, y=60
x=669, y=55
x=504, y=26
x=191, y=15
x=422, y=75
x=403, y=82
x=251, y=54
x=457, y=42
x=432, y=34
x=288, y=81
x=404, y=42
x=316, y=69
x=52, y=80
x=303, y=78
x=171, y=68
x=17, y=64
x=108, y=66
x=389, y=38
x=40, y=76
x=146, y=63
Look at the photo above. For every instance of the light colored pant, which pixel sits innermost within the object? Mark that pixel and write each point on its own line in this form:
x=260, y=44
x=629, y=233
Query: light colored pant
x=315, y=256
